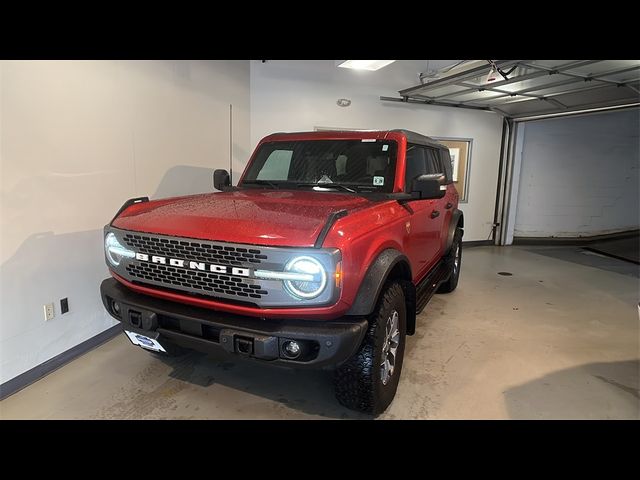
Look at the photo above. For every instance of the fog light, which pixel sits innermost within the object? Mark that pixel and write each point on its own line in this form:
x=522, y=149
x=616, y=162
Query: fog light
x=116, y=307
x=291, y=349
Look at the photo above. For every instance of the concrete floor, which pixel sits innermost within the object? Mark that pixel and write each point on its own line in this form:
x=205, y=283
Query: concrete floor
x=557, y=339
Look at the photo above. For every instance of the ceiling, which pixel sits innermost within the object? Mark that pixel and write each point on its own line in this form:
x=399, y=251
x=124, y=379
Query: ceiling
x=523, y=88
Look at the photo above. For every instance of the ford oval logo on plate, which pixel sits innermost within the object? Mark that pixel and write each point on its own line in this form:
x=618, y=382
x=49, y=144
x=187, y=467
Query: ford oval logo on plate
x=144, y=341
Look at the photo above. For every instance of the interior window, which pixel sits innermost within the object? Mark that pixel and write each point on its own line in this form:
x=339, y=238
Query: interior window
x=341, y=165
x=276, y=166
x=377, y=164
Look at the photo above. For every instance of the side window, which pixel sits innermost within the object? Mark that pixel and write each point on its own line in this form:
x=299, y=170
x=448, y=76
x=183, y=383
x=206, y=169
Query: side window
x=415, y=164
x=276, y=166
x=433, y=161
x=445, y=158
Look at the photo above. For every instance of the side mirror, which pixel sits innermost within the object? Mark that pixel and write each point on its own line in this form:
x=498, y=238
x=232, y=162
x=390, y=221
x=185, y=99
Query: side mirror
x=429, y=186
x=221, y=179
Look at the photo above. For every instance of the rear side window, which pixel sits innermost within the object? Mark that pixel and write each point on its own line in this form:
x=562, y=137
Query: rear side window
x=445, y=158
x=416, y=164
x=433, y=161
x=422, y=160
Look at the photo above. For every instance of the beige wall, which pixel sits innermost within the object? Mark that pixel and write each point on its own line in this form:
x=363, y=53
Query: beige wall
x=78, y=138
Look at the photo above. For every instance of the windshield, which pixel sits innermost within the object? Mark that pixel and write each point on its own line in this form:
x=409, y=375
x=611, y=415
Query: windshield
x=345, y=165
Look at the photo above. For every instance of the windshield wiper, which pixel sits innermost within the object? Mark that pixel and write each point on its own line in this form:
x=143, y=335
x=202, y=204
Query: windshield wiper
x=261, y=182
x=327, y=185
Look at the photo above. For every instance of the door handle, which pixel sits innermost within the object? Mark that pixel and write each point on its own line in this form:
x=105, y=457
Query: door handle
x=435, y=214
x=448, y=205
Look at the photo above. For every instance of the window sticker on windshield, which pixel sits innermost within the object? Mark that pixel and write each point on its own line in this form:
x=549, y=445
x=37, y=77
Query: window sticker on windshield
x=379, y=181
x=385, y=148
x=368, y=140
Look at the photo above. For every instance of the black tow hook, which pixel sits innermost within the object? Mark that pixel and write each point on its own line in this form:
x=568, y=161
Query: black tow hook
x=244, y=346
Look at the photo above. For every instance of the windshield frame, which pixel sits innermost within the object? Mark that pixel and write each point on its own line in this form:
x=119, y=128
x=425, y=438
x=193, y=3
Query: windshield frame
x=390, y=181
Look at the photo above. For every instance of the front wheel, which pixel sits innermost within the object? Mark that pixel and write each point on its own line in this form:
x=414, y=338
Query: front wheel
x=368, y=381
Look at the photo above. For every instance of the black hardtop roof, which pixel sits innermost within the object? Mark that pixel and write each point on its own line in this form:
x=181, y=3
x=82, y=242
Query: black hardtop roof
x=412, y=137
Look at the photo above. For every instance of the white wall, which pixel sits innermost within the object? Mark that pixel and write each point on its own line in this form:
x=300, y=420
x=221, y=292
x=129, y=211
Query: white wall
x=579, y=176
x=301, y=95
x=78, y=138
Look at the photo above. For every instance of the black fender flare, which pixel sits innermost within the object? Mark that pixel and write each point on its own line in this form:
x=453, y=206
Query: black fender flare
x=375, y=278
x=457, y=219
x=127, y=204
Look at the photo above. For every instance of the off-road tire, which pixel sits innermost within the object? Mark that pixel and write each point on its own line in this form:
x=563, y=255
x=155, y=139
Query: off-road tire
x=455, y=250
x=358, y=381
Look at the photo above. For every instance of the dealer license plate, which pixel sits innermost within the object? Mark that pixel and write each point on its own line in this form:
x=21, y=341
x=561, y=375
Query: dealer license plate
x=144, y=341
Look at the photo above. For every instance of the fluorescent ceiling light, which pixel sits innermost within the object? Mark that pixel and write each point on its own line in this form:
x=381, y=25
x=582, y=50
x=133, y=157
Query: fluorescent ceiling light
x=365, y=64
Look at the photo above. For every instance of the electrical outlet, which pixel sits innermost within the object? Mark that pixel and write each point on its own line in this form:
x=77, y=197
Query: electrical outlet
x=49, y=312
x=64, y=306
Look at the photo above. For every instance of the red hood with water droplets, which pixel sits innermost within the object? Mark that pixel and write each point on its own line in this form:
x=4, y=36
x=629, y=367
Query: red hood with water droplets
x=265, y=217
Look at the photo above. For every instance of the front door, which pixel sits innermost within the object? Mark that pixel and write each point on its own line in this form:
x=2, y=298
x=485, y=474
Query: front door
x=425, y=223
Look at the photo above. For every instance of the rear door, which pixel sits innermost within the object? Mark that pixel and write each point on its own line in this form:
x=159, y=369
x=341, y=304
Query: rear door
x=450, y=200
x=438, y=213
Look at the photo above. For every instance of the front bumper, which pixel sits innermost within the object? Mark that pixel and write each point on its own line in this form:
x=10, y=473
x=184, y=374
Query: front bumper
x=324, y=343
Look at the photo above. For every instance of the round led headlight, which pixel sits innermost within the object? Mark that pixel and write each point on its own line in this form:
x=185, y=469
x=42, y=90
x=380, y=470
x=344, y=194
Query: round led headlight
x=115, y=251
x=312, y=277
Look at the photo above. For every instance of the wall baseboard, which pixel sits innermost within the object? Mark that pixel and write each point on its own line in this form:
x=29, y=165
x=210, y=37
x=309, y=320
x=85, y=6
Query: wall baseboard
x=477, y=243
x=573, y=240
x=36, y=373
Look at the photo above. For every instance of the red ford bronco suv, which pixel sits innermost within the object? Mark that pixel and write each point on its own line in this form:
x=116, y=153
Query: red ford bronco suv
x=321, y=257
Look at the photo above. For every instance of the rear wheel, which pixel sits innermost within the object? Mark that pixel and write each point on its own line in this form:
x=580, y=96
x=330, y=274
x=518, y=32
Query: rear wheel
x=368, y=381
x=453, y=258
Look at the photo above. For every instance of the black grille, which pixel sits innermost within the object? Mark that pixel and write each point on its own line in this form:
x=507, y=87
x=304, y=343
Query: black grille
x=206, y=282
x=196, y=251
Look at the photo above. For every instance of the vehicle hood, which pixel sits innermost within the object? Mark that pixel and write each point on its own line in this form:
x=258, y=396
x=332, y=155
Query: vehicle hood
x=261, y=217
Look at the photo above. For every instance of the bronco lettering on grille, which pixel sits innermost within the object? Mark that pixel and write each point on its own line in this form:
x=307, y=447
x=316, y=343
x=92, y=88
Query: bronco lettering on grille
x=202, y=266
